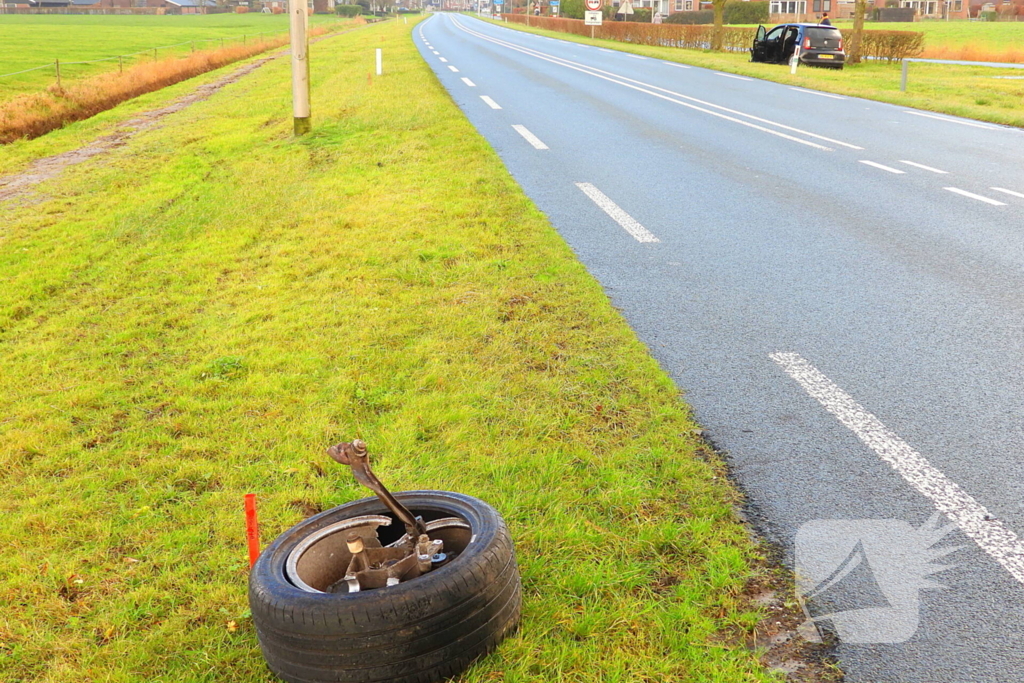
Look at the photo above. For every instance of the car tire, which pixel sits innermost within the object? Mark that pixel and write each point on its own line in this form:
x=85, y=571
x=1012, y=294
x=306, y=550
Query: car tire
x=423, y=630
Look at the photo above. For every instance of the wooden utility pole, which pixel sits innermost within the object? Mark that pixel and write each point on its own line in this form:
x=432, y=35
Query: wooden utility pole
x=297, y=9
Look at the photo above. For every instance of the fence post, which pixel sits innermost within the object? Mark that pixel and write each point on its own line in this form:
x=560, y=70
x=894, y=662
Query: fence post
x=903, y=77
x=120, y=65
x=56, y=63
x=380, y=60
x=154, y=54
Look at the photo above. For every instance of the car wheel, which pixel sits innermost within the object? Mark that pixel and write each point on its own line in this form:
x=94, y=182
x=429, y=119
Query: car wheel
x=430, y=628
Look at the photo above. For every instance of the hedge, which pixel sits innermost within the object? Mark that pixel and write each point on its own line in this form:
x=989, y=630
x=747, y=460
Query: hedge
x=891, y=46
x=666, y=35
x=740, y=12
x=704, y=16
x=348, y=10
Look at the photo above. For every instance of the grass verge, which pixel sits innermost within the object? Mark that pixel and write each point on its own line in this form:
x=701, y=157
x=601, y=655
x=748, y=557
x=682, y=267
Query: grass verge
x=969, y=91
x=29, y=116
x=219, y=302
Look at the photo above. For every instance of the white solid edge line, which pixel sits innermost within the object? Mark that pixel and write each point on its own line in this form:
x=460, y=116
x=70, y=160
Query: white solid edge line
x=629, y=83
x=974, y=520
x=739, y=78
x=890, y=169
x=468, y=82
x=490, y=103
x=820, y=94
x=454, y=70
x=965, y=193
x=1009, y=192
x=530, y=137
x=948, y=120
x=628, y=223
x=922, y=166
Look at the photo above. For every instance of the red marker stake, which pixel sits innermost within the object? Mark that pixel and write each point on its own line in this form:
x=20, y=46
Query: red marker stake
x=252, y=528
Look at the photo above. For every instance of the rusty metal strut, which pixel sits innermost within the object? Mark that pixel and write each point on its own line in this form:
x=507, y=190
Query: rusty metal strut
x=357, y=458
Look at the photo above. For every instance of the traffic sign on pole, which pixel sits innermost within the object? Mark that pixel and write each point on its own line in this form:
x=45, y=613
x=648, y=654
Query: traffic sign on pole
x=592, y=5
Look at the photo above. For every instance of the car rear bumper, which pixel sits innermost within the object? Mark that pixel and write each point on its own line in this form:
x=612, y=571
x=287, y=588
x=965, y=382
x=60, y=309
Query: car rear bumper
x=823, y=58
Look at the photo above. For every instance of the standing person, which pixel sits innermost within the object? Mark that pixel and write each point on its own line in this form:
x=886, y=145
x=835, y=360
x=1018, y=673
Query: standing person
x=824, y=20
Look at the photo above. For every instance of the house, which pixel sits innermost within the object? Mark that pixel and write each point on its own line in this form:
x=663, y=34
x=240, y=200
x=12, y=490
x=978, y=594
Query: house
x=810, y=10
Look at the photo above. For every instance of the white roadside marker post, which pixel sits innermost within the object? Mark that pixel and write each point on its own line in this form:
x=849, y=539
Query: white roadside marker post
x=794, y=61
x=298, y=24
x=380, y=62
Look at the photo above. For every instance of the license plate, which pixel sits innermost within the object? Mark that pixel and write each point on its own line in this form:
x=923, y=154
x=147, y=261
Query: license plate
x=826, y=56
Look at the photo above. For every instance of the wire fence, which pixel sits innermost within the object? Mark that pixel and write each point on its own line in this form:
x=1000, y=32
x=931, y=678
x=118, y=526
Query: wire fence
x=57, y=64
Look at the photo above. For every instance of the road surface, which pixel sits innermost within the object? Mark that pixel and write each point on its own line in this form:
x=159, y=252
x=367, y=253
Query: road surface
x=836, y=284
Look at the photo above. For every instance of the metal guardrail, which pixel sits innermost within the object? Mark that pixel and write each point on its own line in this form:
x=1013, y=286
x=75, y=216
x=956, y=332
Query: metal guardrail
x=956, y=62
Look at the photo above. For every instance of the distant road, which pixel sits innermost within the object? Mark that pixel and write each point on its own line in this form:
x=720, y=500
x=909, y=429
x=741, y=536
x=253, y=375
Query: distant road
x=838, y=286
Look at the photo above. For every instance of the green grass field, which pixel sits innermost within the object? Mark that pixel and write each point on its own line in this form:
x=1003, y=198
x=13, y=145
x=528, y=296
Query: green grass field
x=200, y=313
x=28, y=41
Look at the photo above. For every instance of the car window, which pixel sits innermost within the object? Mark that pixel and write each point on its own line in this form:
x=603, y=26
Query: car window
x=775, y=33
x=820, y=33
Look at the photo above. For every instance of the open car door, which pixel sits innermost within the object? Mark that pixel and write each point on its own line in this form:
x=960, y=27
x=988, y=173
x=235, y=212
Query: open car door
x=757, y=50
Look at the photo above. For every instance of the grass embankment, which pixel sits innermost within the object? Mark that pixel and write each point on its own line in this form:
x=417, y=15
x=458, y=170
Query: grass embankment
x=35, y=114
x=200, y=314
x=35, y=40
x=969, y=91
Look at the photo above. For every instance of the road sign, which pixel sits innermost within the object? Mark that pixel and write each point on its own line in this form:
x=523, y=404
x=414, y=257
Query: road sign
x=592, y=18
x=626, y=7
x=593, y=5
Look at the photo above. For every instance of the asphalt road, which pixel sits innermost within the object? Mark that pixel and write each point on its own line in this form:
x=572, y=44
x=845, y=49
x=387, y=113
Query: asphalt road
x=835, y=283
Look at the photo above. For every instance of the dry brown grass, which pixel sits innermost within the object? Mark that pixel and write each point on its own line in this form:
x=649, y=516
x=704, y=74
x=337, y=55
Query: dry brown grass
x=29, y=116
x=972, y=53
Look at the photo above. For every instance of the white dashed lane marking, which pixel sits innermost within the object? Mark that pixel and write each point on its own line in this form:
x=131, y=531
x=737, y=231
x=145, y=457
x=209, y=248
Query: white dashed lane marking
x=965, y=193
x=1009, y=192
x=738, y=78
x=530, y=137
x=820, y=94
x=453, y=68
x=444, y=60
x=922, y=166
x=490, y=103
x=628, y=223
x=468, y=82
x=972, y=517
x=949, y=120
x=890, y=169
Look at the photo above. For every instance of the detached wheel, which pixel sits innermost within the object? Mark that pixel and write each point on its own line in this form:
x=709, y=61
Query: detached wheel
x=426, y=629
